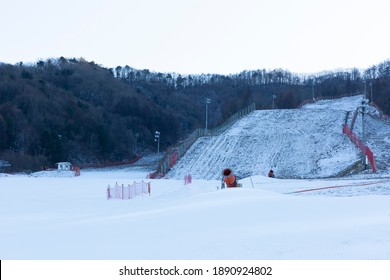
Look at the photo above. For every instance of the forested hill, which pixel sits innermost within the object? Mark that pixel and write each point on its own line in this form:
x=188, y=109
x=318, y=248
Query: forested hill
x=74, y=110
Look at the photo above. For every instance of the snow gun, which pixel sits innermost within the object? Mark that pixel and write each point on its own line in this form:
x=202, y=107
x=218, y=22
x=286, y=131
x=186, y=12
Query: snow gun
x=229, y=178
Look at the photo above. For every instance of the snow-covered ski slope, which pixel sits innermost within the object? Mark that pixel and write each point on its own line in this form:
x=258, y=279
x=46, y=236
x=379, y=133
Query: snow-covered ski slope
x=299, y=143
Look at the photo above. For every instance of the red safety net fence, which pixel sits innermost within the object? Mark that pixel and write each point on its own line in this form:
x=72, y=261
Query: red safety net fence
x=129, y=191
x=187, y=179
x=363, y=149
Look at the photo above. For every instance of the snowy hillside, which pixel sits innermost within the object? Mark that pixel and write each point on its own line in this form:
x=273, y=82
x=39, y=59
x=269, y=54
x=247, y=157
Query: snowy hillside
x=300, y=143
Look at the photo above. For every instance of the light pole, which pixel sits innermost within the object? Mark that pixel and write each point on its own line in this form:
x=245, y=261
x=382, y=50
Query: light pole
x=314, y=99
x=372, y=97
x=157, y=139
x=365, y=89
x=208, y=101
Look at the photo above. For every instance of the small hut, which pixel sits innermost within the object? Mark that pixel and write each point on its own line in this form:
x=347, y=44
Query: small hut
x=64, y=166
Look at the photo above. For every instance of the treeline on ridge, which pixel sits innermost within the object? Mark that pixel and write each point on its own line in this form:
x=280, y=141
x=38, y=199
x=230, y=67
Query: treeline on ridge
x=78, y=111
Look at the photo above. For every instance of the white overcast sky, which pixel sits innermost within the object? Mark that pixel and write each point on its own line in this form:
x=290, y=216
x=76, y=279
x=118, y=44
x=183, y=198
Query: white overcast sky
x=199, y=36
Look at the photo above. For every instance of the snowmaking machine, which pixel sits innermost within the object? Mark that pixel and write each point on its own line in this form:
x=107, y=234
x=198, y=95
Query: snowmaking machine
x=229, y=179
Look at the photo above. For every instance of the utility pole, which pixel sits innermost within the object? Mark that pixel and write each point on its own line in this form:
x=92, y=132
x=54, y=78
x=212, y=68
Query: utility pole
x=208, y=101
x=273, y=101
x=314, y=99
x=372, y=97
x=157, y=139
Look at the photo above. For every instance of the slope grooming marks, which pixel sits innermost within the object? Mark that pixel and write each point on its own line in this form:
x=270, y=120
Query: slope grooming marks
x=299, y=143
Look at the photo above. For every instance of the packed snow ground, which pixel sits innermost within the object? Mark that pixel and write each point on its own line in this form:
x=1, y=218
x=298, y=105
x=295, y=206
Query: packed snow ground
x=53, y=215
x=70, y=218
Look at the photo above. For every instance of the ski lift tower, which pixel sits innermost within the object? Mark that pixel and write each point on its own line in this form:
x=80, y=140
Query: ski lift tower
x=363, y=108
